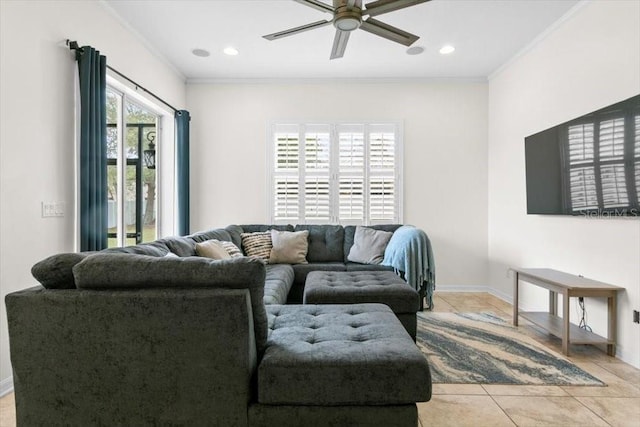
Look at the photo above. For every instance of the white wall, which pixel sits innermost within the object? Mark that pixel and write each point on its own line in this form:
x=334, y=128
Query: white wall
x=37, y=126
x=445, y=155
x=588, y=62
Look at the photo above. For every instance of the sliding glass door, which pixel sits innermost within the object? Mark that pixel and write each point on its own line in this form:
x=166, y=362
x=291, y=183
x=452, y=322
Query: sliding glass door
x=132, y=135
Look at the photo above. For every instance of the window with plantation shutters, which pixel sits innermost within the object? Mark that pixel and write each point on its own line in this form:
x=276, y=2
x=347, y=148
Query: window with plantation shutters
x=600, y=174
x=342, y=173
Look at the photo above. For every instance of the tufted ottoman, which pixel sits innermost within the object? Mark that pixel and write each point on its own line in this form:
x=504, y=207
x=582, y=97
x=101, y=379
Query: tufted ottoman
x=339, y=365
x=352, y=287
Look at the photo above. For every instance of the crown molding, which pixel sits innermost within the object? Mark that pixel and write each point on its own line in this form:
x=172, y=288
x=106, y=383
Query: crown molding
x=542, y=36
x=155, y=52
x=322, y=80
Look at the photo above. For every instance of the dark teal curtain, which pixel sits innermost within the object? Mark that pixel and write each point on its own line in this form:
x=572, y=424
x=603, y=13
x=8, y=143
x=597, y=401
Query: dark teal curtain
x=92, y=69
x=182, y=177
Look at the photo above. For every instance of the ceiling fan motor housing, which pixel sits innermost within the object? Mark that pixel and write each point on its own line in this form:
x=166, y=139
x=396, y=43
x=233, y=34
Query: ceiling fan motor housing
x=347, y=19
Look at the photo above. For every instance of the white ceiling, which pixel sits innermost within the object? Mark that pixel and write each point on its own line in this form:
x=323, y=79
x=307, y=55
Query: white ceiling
x=486, y=34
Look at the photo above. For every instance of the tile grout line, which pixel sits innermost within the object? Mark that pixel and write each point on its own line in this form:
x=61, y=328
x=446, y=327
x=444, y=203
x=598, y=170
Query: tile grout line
x=501, y=408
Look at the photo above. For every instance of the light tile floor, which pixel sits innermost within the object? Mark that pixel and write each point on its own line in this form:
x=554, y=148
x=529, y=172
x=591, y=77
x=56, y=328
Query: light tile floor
x=475, y=405
x=618, y=404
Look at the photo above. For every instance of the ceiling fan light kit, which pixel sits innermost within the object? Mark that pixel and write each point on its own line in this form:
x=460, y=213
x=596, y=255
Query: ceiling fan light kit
x=347, y=17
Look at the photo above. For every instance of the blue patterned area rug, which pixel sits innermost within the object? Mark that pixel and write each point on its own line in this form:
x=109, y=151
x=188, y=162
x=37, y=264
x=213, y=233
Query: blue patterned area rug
x=482, y=348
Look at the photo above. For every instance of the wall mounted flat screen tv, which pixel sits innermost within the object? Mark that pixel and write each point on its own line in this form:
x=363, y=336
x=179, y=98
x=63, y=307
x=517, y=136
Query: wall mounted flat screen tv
x=587, y=166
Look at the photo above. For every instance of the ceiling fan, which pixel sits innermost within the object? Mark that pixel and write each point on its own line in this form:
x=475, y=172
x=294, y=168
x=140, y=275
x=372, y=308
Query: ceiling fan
x=347, y=17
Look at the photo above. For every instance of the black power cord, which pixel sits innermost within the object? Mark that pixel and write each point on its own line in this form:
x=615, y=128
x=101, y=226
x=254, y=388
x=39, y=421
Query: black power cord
x=583, y=315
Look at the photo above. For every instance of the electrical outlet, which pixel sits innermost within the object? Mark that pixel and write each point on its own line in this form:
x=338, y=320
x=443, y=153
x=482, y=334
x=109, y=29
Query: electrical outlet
x=636, y=316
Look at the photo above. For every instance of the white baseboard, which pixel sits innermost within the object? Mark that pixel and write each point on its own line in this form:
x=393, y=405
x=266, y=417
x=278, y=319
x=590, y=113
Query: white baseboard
x=6, y=386
x=474, y=289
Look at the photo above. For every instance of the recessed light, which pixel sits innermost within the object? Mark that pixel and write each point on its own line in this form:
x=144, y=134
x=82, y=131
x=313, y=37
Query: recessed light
x=415, y=50
x=447, y=49
x=231, y=51
x=201, y=53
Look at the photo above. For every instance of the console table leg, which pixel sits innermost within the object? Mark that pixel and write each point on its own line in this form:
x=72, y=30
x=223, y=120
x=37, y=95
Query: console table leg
x=565, y=323
x=611, y=325
x=515, y=298
x=553, y=303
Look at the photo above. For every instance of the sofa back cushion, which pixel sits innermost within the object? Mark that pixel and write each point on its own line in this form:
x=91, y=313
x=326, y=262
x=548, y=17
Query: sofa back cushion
x=181, y=246
x=55, y=272
x=350, y=231
x=217, y=234
x=260, y=228
x=326, y=242
x=125, y=271
x=155, y=248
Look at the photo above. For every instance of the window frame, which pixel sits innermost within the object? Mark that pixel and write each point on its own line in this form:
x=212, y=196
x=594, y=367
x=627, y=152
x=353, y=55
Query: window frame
x=334, y=170
x=166, y=190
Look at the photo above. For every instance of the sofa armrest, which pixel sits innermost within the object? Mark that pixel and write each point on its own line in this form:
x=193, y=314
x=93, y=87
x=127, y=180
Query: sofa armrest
x=132, y=357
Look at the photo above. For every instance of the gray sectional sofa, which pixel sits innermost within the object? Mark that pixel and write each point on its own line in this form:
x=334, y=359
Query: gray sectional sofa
x=131, y=336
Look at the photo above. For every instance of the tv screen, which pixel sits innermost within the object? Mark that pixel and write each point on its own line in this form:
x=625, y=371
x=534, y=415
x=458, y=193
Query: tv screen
x=587, y=166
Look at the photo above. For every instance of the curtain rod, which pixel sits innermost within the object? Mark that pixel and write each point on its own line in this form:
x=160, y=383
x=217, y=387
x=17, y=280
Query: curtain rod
x=73, y=45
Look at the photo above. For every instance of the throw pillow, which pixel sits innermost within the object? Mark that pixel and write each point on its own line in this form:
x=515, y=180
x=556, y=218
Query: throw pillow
x=289, y=247
x=231, y=249
x=369, y=245
x=212, y=249
x=257, y=245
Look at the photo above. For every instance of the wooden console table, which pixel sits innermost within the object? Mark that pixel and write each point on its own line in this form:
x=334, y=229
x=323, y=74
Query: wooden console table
x=568, y=286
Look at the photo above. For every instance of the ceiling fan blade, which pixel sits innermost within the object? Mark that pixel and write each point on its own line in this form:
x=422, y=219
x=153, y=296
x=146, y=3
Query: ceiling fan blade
x=296, y=30
x=389, y=32
x=339, y=44
x=383, y=6
x=317, y=4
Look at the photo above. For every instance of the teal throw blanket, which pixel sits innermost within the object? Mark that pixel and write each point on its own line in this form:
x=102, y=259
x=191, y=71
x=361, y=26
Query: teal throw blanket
x=409, y=251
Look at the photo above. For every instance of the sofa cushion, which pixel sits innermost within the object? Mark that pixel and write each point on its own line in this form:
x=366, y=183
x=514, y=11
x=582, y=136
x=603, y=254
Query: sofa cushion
x=277, y=283
x=369, y=245
x=301, y=270
x=212, y=249
x=350, y=230
x=125, y=271
x=155, y=248
x=256, y=228
x=289, y=247
x=353, y=287
x=354, y=266
x=257, y=245
x=357, y=354
x=326, y=242
x=55, y=272
x=217, y=234
x=181, y=246
x=235, y=232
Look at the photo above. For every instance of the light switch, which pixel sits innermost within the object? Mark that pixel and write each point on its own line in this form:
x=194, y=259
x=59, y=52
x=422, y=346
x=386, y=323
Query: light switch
x=52, y=209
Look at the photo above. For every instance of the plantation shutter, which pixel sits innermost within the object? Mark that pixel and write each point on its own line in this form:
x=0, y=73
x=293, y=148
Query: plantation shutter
x=612, y=175
x=286, y=185
x=383, y=206
x=317, y=173
x=351, y=174
x=582, y=180
x=335, y=173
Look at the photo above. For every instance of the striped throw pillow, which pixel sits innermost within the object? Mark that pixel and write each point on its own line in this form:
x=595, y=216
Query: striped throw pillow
x=233, y=250
x=257, y=245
